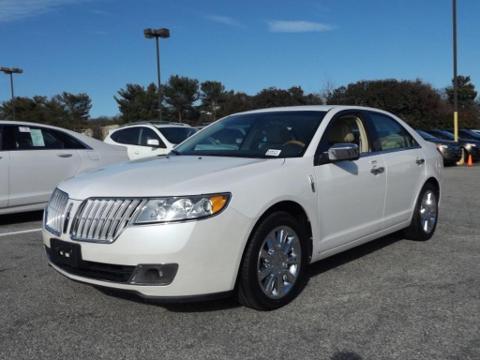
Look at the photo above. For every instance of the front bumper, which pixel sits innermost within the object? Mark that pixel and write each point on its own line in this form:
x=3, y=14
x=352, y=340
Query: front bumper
x=451, y=154
x=208, y=253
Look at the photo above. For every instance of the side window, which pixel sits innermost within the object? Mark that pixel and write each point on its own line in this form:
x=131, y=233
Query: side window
x=345, y=129
x=149, y=134
x=1, y=138
x=31, y=138
x=389, y=134
x=68, y=141
x=128, y=136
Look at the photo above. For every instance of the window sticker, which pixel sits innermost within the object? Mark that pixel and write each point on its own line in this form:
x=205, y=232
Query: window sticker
x=37, y=137
x=273, y=152
x=24, y=129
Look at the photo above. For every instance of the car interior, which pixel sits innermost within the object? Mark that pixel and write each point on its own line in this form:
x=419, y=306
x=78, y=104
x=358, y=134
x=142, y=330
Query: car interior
x=348, y=129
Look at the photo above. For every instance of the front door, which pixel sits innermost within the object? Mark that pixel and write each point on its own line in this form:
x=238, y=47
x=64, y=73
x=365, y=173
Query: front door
x=351, y=194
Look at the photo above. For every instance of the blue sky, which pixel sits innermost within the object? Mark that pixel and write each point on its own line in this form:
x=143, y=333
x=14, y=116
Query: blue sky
x=97, y=46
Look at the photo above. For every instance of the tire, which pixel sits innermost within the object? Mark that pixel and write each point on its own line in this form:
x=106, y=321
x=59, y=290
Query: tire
x=427, y=204
x=271, y=276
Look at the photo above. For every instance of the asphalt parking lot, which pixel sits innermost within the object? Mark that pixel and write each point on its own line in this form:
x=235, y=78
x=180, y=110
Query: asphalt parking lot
x=389, y=299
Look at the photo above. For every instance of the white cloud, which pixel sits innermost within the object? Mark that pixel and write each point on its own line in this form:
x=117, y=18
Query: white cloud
x=297, y=26
x=224, y=20
x=11, y=10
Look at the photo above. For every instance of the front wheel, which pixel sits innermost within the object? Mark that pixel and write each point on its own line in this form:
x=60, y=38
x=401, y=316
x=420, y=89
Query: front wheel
x=425, y=217
x=273, y=271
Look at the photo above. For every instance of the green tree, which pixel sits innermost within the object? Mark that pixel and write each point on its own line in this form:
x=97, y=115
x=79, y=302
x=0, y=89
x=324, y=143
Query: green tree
x=76, y=108
x=235, y=102
x=180, y=93
x=136, y=103
x=466, y=92
x=66, y=110
x=213, y=96
x=271, y=97
x=414, y=101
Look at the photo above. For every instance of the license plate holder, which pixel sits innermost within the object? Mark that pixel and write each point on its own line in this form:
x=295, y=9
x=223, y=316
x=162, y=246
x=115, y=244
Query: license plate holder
x=66, y=253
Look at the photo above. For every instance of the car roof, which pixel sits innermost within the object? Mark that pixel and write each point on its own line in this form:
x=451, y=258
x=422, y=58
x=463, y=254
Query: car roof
x=156, y=124
x=87, y=140
x=312, y=108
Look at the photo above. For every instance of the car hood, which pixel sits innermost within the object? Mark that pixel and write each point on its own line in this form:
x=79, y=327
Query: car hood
x=166, y=176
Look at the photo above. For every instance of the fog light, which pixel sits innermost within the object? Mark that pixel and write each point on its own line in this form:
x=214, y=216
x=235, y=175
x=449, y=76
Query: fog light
x=154, y=274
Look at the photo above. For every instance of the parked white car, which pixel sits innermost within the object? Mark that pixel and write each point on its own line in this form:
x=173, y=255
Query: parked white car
x=246, y=204
x=146, y=139
x=34, y=158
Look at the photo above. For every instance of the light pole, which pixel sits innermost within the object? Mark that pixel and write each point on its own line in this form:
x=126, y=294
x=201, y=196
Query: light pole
x=10, y=71
x=156, y=34
x=455, y=81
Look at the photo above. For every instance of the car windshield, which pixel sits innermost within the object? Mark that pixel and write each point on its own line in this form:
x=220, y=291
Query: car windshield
x=176, y=135
x=259, y=135
x=426, y=135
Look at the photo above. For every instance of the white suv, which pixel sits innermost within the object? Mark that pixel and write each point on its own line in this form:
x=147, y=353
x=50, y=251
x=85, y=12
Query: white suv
x=245, y=204
x=149, y=138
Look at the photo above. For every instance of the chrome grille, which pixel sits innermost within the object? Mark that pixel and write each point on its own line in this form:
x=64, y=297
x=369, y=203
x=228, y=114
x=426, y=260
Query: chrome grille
x=102, y=220
x=55, y=213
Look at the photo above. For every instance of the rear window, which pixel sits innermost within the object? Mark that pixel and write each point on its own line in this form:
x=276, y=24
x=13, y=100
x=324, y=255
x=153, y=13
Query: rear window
x=176, y=135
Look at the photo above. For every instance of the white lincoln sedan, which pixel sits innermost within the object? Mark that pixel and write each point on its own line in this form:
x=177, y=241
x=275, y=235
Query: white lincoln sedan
x=34, y=158
x=246, y=204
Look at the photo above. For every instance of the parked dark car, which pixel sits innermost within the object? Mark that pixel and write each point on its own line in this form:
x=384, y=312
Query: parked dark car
x=468, y=146
x=450, y=150
x=469, y=134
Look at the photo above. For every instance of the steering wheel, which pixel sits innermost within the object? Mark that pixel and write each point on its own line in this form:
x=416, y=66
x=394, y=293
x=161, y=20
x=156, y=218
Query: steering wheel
x=295, y=142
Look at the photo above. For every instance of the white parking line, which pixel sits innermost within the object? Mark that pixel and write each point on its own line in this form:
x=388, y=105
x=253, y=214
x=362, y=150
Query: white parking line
x=20, y=232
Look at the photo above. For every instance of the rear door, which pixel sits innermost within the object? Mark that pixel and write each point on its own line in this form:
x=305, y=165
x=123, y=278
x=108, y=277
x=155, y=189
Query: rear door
x=4, y=164
x=404, y=164
x=39, y=159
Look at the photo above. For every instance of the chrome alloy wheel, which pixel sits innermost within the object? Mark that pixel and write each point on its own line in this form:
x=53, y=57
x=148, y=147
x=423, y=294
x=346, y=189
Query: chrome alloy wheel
x=428, y=211
x=279, y=261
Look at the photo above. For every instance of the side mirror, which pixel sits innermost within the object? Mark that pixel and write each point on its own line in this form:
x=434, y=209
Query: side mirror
x=343, y=151
x=153, y=142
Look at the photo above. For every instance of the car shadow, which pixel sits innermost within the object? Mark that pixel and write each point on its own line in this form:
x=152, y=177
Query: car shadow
x=230, y=302
x=346, y=355
x=337, y=260
x=10, y=219
x=223, y=303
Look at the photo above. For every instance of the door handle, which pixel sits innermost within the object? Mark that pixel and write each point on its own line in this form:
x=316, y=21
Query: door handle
x=420, y=161
x=376, y=171
x=64, y=155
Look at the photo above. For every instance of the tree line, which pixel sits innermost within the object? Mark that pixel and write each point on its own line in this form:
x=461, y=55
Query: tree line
x=187, y=100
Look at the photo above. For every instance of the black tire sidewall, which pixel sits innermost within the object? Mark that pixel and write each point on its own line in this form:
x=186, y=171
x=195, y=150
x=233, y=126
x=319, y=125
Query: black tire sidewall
x=248, y=277
x=416, y=230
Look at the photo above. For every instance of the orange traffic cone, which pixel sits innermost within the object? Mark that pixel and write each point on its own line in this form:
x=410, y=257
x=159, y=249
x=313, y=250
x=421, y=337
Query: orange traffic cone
x=470, y=160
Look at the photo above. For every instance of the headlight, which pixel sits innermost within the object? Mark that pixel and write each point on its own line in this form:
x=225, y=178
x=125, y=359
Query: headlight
x=441, y=147
x=181, y=208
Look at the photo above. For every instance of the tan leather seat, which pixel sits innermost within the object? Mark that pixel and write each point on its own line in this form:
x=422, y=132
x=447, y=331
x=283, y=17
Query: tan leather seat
x=340, y=133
